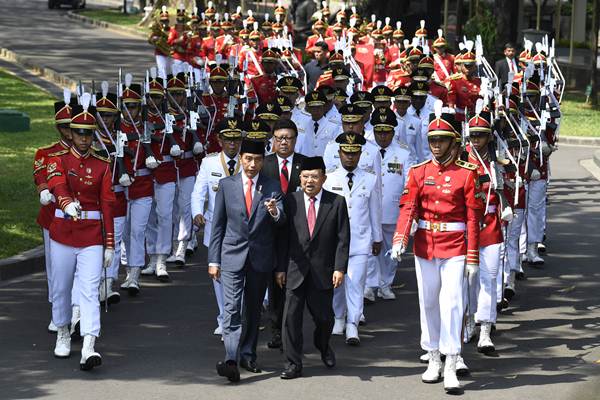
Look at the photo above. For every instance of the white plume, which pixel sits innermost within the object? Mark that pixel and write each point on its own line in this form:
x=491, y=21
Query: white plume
x=440, y=33
x=437, y=108
x=478, y=106
x=353, y=10
x=528, y=45
x=210, y=4
x=398, y=25
x=539, y=47
x=128, y=80
x=324, y=3
x=226, y=16
x=85, y=100
x=267, y=17
x=217, y=16
x=426, y=49
x=387, y=21
x=343, y=7
x=469, y=45
x=153, y=73
x=373, y=18
x=195, y=10
x=339, y=18
x=250, y=13
x=104, y=86
x=378, y=24
x=461, y=46
x=352, y=22
x=415, y=42
x=93, y=101
x=255, y=25
x=278, y=18
x=245, y=24
x=164, y=9
x=406, y=43
x=218, y=58
x=238, y=10
x=203, y=16
x=422, y=23
x=66, y=95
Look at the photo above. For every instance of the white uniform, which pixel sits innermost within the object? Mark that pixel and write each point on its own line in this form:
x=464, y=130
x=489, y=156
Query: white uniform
x=370, y=158
x=214, y=167
x=301, y=118
x=421, y=143
x=394, y=167
x=364, y=211
x=334, y=115
x=313, y=143
x=407, y=131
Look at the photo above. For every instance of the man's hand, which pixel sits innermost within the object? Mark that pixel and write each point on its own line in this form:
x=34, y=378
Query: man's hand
x=376, y=248
x=73, y=210
x=338, y=279
x=175, y=151
x=214, y=272
x=272, y=207
x=151, y=162
x=280, y=279
x=397, y=251
x=199, y=220
x=125, y=180
x=472, y=268
x=46, y=197
x=109, y=255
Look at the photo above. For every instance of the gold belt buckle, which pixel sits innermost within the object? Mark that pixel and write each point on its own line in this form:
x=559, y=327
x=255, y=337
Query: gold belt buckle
x=434, y=226
x=443, y=227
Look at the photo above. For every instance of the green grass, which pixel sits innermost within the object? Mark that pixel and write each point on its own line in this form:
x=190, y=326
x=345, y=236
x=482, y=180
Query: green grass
x=579, y=119
x=19, y=203
x=115, y=17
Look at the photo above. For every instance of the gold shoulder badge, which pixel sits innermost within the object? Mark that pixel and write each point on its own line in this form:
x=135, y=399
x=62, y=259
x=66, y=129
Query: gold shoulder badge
x=232, y=123
x=58, y=153
x=39, y=162
x=332, y=169
x=421, y=163
x=255, y=125
x=52, y=167
x=99, y=157
x=48, y=147
x=466, y=165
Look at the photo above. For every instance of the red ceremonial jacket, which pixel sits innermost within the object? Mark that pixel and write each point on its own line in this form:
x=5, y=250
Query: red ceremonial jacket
x=143, y=183
x=40, y=162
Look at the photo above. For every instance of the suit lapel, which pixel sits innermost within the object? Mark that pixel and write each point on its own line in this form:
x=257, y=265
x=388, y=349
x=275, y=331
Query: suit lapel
x=295, y=173
x=257, y=195
x=324, y=209
x=301, y=220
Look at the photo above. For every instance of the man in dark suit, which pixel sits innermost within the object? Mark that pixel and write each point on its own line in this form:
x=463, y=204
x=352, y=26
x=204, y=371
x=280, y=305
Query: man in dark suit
x=318, y=240
x=507, y=64
x=242, y=253
x=283, y=166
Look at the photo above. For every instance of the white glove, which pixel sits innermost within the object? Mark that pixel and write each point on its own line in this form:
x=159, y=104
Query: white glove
x=547, y=149
x=46, y=197
x=472, y=268
x=397, y=251
x=198, y=148
x=125, y=180
x=507, y=214
x=535, y=175
x=73, y=209
x=109, y=254
x=175, y=150
x=151, y=162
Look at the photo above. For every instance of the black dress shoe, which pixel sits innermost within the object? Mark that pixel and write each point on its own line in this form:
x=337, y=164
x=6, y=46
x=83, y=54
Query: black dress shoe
x=250, y=366
x=291, y=372
x=520, y=276
x=229, y=370
x=328, y=358
x=275, y=342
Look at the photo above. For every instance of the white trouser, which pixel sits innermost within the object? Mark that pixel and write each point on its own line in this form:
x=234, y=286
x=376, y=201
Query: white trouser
x=489, y=265
x=440, y=284
x=381, y=270
x=48, y=260
x=348, y=298
x=159, y=232
x=138, y=211
x=164, y=62
x=183, y=211
x=86, y=262
x=113, y=270
x=513, y=232
x=536, y=210
x=179, y=66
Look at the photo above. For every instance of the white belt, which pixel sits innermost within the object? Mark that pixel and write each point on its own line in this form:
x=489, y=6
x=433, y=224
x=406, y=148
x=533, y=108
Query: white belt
x=442, y=226
x=167, y=158
x=188, y=154
x=491, y=209
x=143, y=172
x=84, y=214
x=118, y=188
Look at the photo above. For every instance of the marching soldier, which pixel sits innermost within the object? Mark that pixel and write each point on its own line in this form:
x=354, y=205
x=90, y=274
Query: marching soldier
x=82, y=235
x=159, y=35
x=440, y=195
x=444, y=61
x=62, y=118
x=217, y=103
x=409, y=126
x=214, y=167
x=464, y=86
x=319, y=130
x=395, y=162
x=263, y=85
x=363, y=199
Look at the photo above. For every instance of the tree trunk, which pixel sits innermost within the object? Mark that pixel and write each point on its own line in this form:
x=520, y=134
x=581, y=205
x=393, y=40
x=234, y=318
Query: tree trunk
x=593, y=64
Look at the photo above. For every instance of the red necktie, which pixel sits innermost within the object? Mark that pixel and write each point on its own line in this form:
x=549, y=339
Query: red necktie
x=283, y=177
x=312, y=216
x=249, y=197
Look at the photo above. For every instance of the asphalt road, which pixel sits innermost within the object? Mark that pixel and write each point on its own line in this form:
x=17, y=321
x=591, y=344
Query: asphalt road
x=160, y=344
x=79, y=51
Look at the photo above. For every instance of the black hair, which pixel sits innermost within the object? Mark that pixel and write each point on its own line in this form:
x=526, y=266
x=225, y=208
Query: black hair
x=323, y=46
x=286, y=124
x=509, y=45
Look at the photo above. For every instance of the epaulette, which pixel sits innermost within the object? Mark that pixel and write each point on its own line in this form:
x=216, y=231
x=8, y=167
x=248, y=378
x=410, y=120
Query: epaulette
x=332, y=169
x=403, y=145
x=458, y=75
x=99, y=157
x=466, y=165
x=369, y=170
x=47, y=147
x=58, y=153
x=205, y=94
x=212, y=154
x=304, y=112
x=421, y=163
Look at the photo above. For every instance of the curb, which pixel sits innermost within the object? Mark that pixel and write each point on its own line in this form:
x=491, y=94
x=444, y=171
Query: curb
x=28, y=262
x=596, y=158
x=46, y=73
x=106, y=25
x=579, y=140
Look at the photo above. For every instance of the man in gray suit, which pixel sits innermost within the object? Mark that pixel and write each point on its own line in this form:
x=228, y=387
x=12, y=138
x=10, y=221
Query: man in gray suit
x=242, y=253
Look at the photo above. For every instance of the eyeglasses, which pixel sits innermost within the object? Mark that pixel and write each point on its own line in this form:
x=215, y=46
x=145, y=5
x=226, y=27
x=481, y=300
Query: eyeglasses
x=281, y=139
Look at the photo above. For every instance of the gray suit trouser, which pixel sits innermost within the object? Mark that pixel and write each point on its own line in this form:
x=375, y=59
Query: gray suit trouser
x=251, y=286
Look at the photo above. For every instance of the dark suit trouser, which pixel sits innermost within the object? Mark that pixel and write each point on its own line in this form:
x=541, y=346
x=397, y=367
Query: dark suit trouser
x=320, y=306
x=276, y=305
x=250, y=285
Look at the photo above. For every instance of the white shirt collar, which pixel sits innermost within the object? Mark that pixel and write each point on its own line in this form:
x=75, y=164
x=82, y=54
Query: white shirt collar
x=289, y=159
x=317, y=197
x=246, y=178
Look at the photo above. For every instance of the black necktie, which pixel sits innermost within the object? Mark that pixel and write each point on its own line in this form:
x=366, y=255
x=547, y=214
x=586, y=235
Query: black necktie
x=316, y=127
x=268, y=146
x=231, y=167
x=350, y=182
x=382, y=151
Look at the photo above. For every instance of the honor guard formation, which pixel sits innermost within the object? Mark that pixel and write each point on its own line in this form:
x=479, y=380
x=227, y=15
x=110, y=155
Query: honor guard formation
x=309, y=181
